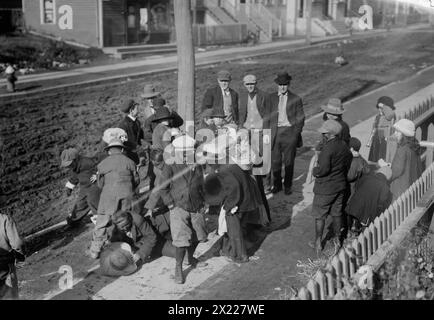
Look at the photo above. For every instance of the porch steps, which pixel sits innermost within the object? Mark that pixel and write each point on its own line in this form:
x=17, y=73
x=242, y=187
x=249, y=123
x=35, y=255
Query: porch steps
x=140, y=50
x=340, y=26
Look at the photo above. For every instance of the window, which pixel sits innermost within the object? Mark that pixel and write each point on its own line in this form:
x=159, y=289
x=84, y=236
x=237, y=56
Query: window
x=48, y=12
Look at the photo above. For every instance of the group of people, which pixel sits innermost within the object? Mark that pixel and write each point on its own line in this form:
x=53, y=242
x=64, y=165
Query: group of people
x=350, y=189
x=131, y=227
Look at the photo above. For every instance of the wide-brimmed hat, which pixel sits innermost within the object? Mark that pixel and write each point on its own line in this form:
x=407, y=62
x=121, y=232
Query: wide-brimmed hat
x=406, y=127
x=385, y=101
x=127, y=105
x=250, y=78
x=283, y=78
x=68, y=156
x=334, y=106
x=114, y=133
x=330, y=126
x=115, y=143
x=224, y=75
x=117, y=260
x=162, y=113
x=149, y=92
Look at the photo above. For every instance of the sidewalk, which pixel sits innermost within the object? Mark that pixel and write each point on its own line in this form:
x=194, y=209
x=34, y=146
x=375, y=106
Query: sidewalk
x=30, y=84
x=273, y=269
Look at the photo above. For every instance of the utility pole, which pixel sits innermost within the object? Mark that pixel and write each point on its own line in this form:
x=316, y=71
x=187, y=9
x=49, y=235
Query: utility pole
x=186, y=61
x=308, y=22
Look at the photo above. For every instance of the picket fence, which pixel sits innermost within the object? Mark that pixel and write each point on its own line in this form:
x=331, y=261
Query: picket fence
x=326, y=284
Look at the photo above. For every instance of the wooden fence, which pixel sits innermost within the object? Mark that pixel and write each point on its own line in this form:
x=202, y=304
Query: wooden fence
x=325, y=284
x=220, y=34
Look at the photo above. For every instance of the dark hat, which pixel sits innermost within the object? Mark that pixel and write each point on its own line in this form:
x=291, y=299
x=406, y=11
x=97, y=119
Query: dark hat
x=68, y=156
x=283, y=78
x=115, y=143
x=149, y=92
x=385, y=100
x=158, y=102
x=123, y=220
x=355, y=144
x=127, y=106
x=117, y=260
x=334, y=106
x=224, y=75
x=162, y=113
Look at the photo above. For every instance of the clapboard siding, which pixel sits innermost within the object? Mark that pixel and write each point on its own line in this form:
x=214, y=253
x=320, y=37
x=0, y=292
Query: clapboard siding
x=85, y=21
x=114, y=23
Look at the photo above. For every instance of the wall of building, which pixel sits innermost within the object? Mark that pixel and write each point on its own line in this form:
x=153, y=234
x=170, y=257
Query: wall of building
x=80, y=24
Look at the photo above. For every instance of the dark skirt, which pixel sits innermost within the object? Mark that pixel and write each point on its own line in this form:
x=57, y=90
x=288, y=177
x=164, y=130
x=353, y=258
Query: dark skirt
x=378, y=148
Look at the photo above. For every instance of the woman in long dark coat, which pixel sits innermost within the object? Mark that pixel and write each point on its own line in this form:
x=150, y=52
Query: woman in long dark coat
x=381, y=130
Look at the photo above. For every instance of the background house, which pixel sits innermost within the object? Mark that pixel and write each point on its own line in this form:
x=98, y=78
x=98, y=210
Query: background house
x=10, y=15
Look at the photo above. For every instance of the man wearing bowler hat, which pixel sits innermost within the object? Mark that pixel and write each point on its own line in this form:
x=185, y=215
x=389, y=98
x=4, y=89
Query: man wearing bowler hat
x=222, y=98
x=286, y=123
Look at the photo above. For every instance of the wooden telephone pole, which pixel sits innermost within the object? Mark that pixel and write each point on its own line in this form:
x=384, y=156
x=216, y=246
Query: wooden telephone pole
x=186, y=60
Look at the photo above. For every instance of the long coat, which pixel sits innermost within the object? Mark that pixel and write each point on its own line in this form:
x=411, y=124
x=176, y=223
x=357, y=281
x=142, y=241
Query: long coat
x=11, y=245
x=261, y=103
x=213, y=99
x=371, y=197
x=294, y=112
x=117, y=177
x=334, y=162
x=406, y=166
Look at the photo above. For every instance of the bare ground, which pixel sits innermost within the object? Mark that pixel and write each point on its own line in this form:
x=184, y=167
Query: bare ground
x=36, y=130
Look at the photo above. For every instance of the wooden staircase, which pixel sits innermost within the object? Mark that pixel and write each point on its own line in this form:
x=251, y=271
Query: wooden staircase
x=140, y=50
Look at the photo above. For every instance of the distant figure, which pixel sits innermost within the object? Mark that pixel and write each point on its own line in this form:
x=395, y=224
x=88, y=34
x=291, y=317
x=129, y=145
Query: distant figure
x=381, y=130
x=10, y=79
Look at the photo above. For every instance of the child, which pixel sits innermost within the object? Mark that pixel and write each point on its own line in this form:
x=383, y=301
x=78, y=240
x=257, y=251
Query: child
x=10, y=79
x=359, y=167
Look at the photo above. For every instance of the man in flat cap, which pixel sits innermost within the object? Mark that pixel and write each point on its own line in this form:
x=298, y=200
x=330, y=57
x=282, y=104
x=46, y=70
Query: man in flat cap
x=329, y=190
x=286, y=123
x=223, y=98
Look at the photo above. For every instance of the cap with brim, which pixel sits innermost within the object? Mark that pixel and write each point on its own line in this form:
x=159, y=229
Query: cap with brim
x=149, y=92
x=334, y=106
x=68, y=156
x=117, y=260
x=330, y=126
x=224, y=75
x=115, y=143
x=249, y=79
x=163, y=113
x=386, y=101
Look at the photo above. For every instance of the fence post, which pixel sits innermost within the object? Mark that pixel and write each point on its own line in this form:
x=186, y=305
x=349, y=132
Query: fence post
x=377, y=225
x=304, y=294
x=367, y=235
x=330, y=284
x=343, y=257
x=362, y=241
x=312, y=286
x=321, y=280
x=396, y=213
x=383, y=228
x=358, y=251
x=407, y=203
x=338, y=271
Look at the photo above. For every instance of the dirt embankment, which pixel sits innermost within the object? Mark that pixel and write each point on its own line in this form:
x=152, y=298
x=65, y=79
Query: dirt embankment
x=36, y=130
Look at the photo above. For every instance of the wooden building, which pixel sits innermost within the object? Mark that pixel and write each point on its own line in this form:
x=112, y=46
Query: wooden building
x=102, y=23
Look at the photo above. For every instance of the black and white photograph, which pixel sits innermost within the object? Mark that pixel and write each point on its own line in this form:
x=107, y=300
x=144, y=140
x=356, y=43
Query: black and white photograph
x=216, y=154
